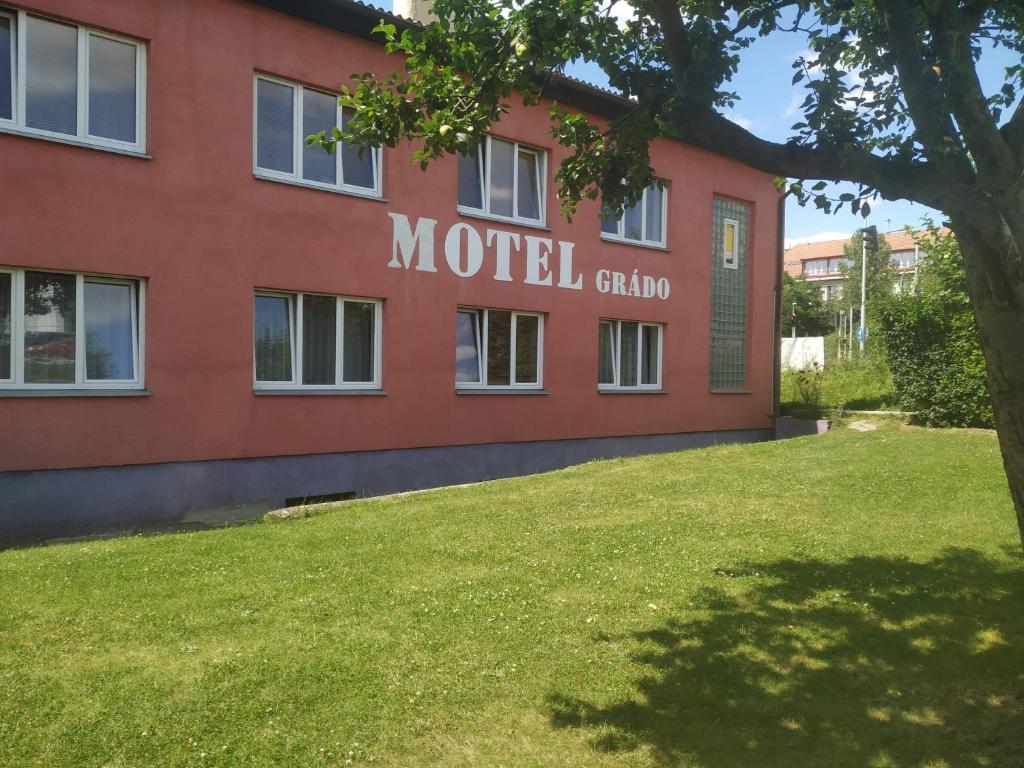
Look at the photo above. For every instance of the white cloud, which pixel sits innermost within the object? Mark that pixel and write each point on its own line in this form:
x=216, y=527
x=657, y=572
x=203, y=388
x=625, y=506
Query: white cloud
x=621, y=11
x=820, y=237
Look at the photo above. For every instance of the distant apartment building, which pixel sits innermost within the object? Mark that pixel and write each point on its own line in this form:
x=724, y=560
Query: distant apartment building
x=822, y=263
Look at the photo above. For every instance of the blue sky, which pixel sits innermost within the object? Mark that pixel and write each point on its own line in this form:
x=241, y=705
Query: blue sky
x=768, y=106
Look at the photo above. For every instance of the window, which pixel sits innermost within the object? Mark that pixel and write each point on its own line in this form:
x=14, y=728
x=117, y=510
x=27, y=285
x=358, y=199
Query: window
x=307, y=340
x=286, y=113
x=64, y=81
x=498, y=348
x=61, y=330
x=629, y=355
x=503, y=179
x=903, y=259
x=643, y=223
x=729, y=295
x=730, y=243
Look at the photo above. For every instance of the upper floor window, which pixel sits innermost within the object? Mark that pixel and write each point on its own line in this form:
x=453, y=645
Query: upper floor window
x=61, y=330
x=503, y=179
x=286, y=113
x=629, y=355
x=310, y=340
x=498, y=348
x=830, y=266
x=69, y=82
x=643, y=223
x=903, y=259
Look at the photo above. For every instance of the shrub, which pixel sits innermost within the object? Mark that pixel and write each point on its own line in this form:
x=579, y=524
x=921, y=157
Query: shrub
x=932, y=343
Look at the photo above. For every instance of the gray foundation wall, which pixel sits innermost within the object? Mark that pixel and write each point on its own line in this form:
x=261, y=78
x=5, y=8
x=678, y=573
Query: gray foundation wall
x=73, y=502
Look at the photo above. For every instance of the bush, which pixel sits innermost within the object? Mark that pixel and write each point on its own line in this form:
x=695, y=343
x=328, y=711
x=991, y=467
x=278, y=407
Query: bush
x=932, y=343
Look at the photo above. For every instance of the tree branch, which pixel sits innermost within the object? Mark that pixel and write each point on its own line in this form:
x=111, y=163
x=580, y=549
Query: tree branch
x=700, y=125
x=994, y=159
x=922, y=90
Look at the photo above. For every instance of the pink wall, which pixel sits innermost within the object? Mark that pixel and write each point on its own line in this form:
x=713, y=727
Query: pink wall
x=195, y=222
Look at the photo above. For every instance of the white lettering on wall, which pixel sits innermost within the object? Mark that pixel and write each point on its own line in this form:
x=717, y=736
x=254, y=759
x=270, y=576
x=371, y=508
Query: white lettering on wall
x=408, y=243
x=474, y=250
x=503, y=242
x=465, y=257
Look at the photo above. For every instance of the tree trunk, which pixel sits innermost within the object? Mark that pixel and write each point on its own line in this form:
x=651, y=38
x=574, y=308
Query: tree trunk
x=996, y=284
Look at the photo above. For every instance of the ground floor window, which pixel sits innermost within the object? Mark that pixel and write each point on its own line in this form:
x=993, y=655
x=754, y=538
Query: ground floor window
x=629, y=355
x=305, y=340
x=61, y=330
x=498, y=348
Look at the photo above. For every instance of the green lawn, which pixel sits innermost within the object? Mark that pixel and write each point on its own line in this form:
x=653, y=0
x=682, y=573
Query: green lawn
x=855, y=599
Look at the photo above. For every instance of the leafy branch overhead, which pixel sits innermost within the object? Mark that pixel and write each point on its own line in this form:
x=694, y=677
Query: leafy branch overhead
x=891, y=99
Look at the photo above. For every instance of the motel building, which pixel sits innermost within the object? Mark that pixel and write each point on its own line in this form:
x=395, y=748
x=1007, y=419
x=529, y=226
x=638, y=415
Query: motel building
x=202, y=318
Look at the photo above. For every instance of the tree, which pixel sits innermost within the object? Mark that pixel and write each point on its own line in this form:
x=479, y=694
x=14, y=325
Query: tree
x=931, y=341
x=803, y=299
x=893, y=104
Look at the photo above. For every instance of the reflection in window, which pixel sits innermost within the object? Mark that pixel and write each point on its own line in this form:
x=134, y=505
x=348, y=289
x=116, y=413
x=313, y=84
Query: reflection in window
x=6, y=310
x=339, y=346
x=642, y=222
x=510, y=354
x=51, y=76
x=502, y=178
x=109, y=334
x=629, y=355
x=112, y=89
x=283, y=151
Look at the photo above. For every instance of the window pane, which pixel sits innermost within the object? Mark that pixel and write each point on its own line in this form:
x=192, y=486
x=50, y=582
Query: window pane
x=527, y=337
x=503, y=158
x=609, y=223
x=627, y=354
x=356, y=165
x=51, y=76
x=5, y=326
x=499, y=339
x=109, y=334
x=529, y=205
x=319, y=339
x=273, y=339
x=467, y=346
x=649, y=354
x=6, y=68
x=360, y=320
x=633, y=229
x=275, y=136
x=470, y=183
x=112, y=89
x=49, y=328
x=655, y=200
x=319, y=113
x=605, y=362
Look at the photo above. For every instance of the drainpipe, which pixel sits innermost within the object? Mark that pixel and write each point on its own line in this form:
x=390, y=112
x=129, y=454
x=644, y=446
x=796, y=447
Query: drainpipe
x=780, y=255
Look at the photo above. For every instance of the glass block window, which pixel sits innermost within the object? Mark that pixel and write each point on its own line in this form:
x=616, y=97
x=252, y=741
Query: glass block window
x=729, y=276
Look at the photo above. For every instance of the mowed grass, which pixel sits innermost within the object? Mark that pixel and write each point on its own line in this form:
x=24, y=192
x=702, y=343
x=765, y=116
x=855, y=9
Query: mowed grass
x=853, y=599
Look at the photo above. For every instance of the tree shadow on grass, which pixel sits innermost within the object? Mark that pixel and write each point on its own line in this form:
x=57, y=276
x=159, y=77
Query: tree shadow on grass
x=872, y=661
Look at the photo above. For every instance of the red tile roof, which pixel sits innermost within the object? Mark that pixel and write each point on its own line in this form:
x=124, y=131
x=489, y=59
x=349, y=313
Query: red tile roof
x=898, y=240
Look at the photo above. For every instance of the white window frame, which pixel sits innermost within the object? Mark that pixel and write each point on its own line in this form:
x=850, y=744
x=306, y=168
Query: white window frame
x=295, y=299
x=731, y=260
x=299, y=138
x=19, y=55
x=484, y=166
x=620, y=231
x=138, y=311
x=482, y=315
x=616, y=353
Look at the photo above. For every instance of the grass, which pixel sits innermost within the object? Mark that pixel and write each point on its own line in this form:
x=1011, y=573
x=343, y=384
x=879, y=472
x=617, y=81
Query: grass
x=850, y=385
x=846, y=600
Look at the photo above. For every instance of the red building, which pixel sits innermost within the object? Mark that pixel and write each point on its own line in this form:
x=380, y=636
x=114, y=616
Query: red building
x=198, y=314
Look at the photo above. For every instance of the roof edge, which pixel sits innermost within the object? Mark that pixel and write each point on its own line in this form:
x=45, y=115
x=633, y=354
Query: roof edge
x=358, y=19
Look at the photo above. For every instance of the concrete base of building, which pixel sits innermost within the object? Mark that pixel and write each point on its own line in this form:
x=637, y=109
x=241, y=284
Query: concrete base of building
x=62, y=503
x=786, y=427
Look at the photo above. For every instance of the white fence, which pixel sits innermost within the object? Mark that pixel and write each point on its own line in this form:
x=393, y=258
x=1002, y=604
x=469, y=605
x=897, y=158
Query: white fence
x=803, y=352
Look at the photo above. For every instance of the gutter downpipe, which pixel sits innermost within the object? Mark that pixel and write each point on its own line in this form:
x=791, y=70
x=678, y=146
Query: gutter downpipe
x=780, y=251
